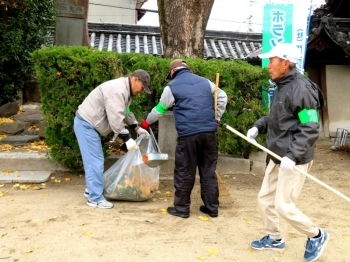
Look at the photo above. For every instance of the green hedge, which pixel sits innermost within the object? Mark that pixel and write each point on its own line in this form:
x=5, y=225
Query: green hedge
x=67, y=74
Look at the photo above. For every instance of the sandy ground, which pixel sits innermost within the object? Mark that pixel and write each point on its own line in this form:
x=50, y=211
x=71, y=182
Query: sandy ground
x=55, y=224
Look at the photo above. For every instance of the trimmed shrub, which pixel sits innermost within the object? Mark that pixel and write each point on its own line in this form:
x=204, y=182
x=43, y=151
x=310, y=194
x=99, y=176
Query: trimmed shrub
x=66, y=75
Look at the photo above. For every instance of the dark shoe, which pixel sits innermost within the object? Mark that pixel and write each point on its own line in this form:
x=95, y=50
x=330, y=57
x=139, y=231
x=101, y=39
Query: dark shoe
x=174, y=212
x=205, y=210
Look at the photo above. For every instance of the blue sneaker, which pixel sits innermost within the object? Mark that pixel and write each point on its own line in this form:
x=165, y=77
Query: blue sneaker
x=315, y=246
x=268, y=243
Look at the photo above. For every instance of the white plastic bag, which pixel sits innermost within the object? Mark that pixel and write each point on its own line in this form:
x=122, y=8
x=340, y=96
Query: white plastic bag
x=129, y=178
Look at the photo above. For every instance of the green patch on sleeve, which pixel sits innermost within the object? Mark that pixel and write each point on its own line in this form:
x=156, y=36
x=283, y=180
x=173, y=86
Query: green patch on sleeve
x=308, y=115
x=127, y=111
x=161, y=109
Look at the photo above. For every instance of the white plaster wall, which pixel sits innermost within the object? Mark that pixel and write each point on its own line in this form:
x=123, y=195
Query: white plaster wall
x=338, y=96
x=111, y=14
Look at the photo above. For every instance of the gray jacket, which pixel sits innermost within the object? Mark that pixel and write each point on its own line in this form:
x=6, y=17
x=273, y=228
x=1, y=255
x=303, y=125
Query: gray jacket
x=286, y=136
x=105, y=106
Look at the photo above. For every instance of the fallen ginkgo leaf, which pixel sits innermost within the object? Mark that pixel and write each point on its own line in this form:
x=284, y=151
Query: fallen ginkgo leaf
x=347, y=238
x=203, y=218
x=89, y=232
x=6, y=172
x=16, y=186
x=212, y=251
x=247, y=220
x=68, y=179
x=2, y=185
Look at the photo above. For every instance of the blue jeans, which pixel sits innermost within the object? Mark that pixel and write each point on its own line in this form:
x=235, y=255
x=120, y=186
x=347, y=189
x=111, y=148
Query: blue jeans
x=90, y=145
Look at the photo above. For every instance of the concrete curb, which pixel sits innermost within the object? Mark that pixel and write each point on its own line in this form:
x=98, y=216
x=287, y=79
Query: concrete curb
x=32, y=162
x=25, y=176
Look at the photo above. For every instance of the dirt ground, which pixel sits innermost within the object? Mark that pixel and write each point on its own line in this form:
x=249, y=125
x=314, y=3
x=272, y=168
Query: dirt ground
x=55, y=224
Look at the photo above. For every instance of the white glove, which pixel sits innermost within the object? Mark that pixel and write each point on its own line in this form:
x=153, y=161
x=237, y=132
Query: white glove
x=140, y=131
x=252, y=133
x=131, y=144
x=287, y=164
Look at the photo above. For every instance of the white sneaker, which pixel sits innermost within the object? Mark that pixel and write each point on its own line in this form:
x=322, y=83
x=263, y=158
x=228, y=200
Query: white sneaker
x=101, y=204
x=86, y=193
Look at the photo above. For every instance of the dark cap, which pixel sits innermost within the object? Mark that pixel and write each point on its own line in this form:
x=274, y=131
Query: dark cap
x=144, y=77
x=174, y=64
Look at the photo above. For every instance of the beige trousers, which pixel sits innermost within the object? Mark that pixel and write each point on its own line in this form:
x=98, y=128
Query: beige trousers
x=277, y=197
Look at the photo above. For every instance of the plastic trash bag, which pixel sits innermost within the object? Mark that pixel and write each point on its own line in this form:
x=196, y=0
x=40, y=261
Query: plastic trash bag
x=129, y=178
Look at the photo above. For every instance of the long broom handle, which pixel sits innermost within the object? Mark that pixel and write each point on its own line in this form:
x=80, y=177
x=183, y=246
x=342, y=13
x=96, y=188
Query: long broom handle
x=216, y=95
x=295, y=167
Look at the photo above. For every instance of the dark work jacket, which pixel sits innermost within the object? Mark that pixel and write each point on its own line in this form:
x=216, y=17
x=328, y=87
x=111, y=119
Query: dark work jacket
x=286, y=136
x=194, y=104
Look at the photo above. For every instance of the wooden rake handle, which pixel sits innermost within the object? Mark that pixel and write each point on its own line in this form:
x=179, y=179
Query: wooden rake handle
x=295, y=167
x=216, y=95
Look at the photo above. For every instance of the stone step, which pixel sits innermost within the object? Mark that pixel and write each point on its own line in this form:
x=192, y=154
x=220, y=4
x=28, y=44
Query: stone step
x=19, y=140
x=33, y=177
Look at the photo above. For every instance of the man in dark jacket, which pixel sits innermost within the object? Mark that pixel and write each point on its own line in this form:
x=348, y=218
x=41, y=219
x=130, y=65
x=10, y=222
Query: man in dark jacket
x=191, y=98
x=292, y=130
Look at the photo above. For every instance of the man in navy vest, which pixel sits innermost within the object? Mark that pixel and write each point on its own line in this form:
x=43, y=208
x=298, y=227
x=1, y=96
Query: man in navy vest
x=191, y=99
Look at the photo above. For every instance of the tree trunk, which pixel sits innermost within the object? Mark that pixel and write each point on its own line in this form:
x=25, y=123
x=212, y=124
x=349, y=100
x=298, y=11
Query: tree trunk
x=182, y=25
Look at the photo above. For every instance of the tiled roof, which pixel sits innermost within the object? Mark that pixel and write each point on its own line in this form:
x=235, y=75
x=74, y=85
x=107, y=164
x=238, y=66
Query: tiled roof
x=334, y=25
x=124, y=38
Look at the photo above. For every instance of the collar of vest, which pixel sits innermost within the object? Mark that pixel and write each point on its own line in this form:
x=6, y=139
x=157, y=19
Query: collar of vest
x=179, y=71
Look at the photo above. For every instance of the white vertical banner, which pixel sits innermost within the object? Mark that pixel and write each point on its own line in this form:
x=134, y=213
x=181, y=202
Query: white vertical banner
x=301, y=17
x=287, y=23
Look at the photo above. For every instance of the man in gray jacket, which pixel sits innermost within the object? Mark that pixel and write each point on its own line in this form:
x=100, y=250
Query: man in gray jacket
x=292, y=130
x=191, y=98
x=104, y=111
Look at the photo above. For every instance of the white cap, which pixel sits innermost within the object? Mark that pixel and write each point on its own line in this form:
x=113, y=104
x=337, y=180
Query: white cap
x=285, y=51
